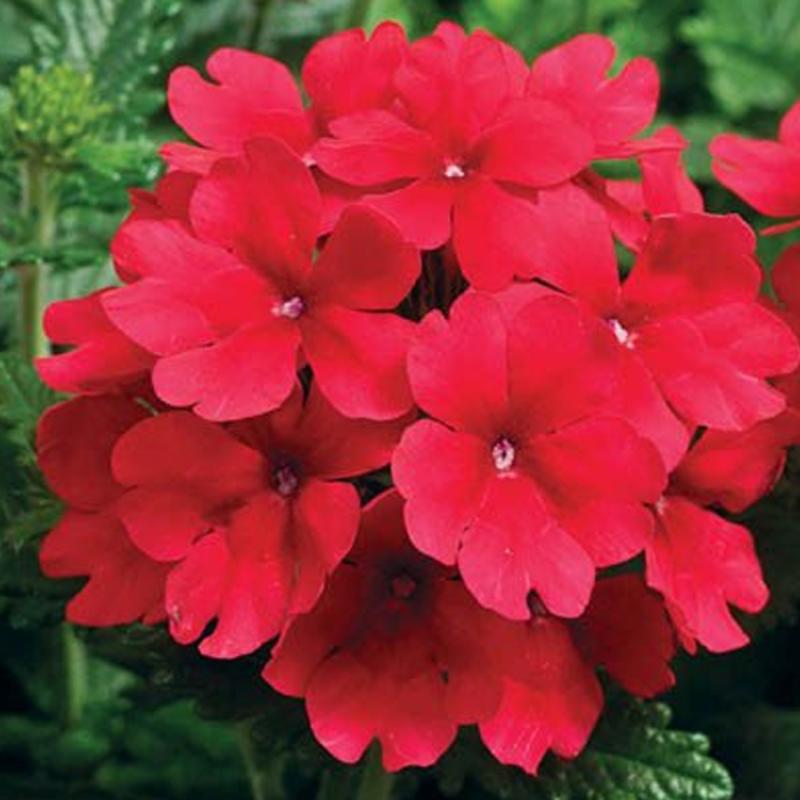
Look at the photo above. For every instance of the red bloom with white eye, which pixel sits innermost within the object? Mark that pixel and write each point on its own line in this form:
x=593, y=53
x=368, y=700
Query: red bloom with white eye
x=689, y=312
x=764, y=173
x=229, y=312
x=394, y=651
x=255, y=516
x=74, y=442
x=518, y=478
x=551, y=698
x=458, y=139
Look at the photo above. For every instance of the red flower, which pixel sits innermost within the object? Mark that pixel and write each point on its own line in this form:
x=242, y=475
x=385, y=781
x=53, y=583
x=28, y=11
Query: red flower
x=551, y=696
x=103, y=358
x=689, y=312
x=226, y=313
x=254, y=96
x=461, y=140
x=613, y=110
x=765, y=174
x=255, y=516
x=664, y=188
x=395, y=651
x=521, y=485
x=74, y=441
x=700, y=563
x=350, y=72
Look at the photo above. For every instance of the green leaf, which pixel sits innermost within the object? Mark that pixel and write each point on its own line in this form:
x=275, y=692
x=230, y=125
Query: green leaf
x=631, y=756
x=23, y=397
x=750, y=50
x=120, y=42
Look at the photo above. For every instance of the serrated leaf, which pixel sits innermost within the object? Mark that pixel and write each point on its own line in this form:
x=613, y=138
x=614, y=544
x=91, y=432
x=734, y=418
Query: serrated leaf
x=23, y=397
x=750, y=50
x=121, y=42
x=631, y=756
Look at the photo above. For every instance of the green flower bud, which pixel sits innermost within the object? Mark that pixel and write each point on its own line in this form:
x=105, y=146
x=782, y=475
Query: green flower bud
x=50, y=113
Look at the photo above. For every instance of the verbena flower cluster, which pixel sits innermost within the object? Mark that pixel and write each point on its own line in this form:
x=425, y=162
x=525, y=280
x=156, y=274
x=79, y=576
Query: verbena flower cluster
x=375, y=393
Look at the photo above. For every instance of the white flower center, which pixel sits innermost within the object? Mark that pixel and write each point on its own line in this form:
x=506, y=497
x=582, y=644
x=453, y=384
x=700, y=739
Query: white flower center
x=503, y=454
x=286, y=481
x=453, y=171
x=622, y=334
x=291, y=308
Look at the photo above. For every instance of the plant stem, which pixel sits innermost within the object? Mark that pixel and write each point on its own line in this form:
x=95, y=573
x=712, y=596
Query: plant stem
x=73, y=676
x=261, y=14
x=39, y=205
x=255, y=777
x=358, y=13
x=376, y=783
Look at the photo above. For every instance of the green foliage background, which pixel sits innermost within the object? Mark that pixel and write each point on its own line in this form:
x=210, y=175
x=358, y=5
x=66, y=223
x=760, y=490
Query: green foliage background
x=106, y=714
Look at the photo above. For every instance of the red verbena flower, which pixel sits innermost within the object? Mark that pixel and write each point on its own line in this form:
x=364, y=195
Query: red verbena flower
x=254, y=529
x=227, y=311
x=398, y=651
x=74, y=442
x=517, y=478
x=764, y=173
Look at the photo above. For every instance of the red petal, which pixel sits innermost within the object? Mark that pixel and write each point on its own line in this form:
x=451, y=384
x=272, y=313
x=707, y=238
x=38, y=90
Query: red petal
x=104, y=358
x=158, y=317
x=374, y=147
x=572, y=247
x=573, y=75
x=700, y=563
x=74, y=441
x=554, y=708
x=237, y=108
x=163, y=523
x=634, y=645
x=325, y=519
x=421, y=210
x=699, y=382
x=265, y=207
x=514, y=546
x=309, y=638
x=124, y=585
x=759, y=171
x=347, y=72
x=366, y=263
x=457, y=367
x=443, y=475
x=155, y=248
x=248, y=373
x=562, y=366
x=734, y=469
x=341, y=447
x=359, y=360
x=691, y=262
x=666, y=186
x=534, y=143
x=173, y=450
x=493, y=232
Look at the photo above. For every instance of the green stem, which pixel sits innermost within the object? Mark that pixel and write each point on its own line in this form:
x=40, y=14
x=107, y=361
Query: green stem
x=262, y=12
x=358, y=13
x=265, y=783
x=376, y=783
x=73, y=676
x=39, y=205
